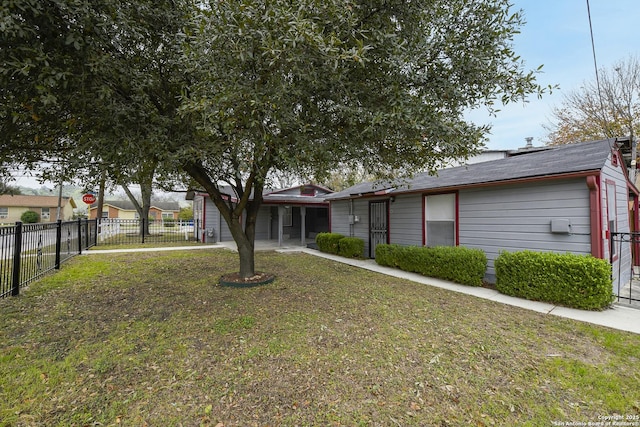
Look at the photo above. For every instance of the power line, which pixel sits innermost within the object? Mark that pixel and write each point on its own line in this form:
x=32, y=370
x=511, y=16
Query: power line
x=595, y=65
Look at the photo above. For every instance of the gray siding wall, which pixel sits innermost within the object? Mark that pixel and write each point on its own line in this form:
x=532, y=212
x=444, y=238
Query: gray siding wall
x=406, y=220
x=510, y=217
x=263, y=222
x=518, y=217
x=621, y=266
x=340, y=220
x=213, y=219
x=340, y=217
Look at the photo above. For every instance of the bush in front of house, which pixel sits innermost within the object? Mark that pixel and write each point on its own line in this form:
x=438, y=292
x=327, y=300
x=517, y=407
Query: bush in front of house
x=454, y=263
x=386, y=255
x=328, y=242
x=169, y=222
x=29, y=217
x=578, y=281
x=351, y=247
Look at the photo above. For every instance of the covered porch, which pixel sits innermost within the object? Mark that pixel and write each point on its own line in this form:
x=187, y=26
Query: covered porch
x=297, y=224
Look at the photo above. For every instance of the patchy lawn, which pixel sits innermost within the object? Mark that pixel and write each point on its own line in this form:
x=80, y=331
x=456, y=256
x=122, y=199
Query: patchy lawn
x=149, y=339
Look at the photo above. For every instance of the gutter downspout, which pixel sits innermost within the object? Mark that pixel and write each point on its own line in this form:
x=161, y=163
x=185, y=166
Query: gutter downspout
x=595, y=210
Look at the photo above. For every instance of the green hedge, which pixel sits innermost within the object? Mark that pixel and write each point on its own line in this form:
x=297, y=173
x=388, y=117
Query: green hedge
x=328, y=242
x=578, y=281
x=351, y=247
x=454, y=263
x=29, y=217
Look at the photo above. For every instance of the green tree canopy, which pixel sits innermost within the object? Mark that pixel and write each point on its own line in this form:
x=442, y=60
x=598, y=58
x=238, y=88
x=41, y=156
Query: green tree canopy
x=230, y=91
x=304, y=87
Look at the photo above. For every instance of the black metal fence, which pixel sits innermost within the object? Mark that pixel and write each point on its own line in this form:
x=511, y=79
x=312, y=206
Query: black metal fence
x=28, y=251
x=118, y=231
x=628, y=291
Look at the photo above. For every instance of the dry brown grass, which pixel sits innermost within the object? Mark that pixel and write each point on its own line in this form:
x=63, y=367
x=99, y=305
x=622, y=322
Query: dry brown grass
x=149, y=339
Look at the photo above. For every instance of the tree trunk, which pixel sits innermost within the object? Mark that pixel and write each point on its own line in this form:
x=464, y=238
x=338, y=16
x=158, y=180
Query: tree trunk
x=246, y=254
x=243, y=234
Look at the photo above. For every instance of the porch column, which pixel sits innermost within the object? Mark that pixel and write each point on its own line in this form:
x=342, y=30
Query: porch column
x=303, y=231
x=280, y=224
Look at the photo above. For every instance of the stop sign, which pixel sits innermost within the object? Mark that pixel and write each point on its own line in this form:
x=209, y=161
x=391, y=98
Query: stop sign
x=88, y=198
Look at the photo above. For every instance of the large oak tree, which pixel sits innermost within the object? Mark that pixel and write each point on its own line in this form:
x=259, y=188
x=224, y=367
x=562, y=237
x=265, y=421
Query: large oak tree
x=230, y=91
x=304, y=86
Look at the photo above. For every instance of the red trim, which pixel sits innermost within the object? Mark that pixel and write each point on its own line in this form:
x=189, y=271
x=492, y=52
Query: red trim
x=457, y=208
x=454, y=188
x=636, y=226
x=424, y=220
x=608, y=182
x=593, y=182
x=388, y=221
x=295, y=203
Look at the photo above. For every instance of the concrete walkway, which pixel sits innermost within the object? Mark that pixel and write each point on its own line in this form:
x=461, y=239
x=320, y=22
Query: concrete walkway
x=618, y=317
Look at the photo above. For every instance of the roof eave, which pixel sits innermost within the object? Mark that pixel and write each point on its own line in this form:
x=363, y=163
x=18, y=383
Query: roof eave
x=444, y=189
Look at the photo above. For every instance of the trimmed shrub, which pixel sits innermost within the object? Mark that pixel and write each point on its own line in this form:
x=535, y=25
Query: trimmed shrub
x=328, y=242
x=578, y=281
x=386, y=255
x=29, y=217
x=454, y=263
x=169, y=222
x=351, y=247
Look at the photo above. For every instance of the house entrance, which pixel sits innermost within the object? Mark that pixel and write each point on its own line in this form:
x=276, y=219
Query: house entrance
x=378, y=225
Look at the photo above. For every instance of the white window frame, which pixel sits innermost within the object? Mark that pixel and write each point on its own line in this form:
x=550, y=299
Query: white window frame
x=45, y=213
x=287, y=216
x=440, y=208
x=4, y=212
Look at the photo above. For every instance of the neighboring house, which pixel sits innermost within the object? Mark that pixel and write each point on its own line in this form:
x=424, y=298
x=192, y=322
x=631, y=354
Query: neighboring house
x=12, y=207
x=563, y=199
x=296, y=213
x=124, y=209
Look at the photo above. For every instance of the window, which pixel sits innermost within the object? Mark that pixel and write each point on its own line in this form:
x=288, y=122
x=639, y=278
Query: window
x=440, y=220
x=105, y=214
x=167, y=215
x=612, y=218
x=45, y=214
x=4, y=213
x=307, y=191
x=287, y=217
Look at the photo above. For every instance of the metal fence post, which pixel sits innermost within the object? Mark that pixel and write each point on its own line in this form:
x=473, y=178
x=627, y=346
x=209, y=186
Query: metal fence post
x=79, y=236
x=88, y=231
x=58, y=243
x=144, y=229
x=17, y=250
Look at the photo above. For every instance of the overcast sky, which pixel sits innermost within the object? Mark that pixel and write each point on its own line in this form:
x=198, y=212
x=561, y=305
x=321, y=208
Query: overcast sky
x=557, y=35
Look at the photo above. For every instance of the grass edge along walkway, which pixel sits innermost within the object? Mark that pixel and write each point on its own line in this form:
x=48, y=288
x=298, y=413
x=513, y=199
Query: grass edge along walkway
x=617, y=317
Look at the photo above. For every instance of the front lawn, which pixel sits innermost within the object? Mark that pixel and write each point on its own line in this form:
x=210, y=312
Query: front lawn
x=148, y=339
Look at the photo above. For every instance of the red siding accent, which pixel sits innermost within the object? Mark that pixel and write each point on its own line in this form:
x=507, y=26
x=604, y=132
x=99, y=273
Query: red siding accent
x=593, y=182
x=424, y=220
x=615, y=214
x=457, y=227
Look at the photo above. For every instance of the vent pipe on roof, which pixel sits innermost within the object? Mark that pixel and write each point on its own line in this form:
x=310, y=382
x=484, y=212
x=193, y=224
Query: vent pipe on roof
x=529, y=140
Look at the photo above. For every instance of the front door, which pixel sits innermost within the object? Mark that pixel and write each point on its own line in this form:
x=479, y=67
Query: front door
x=378, y=225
